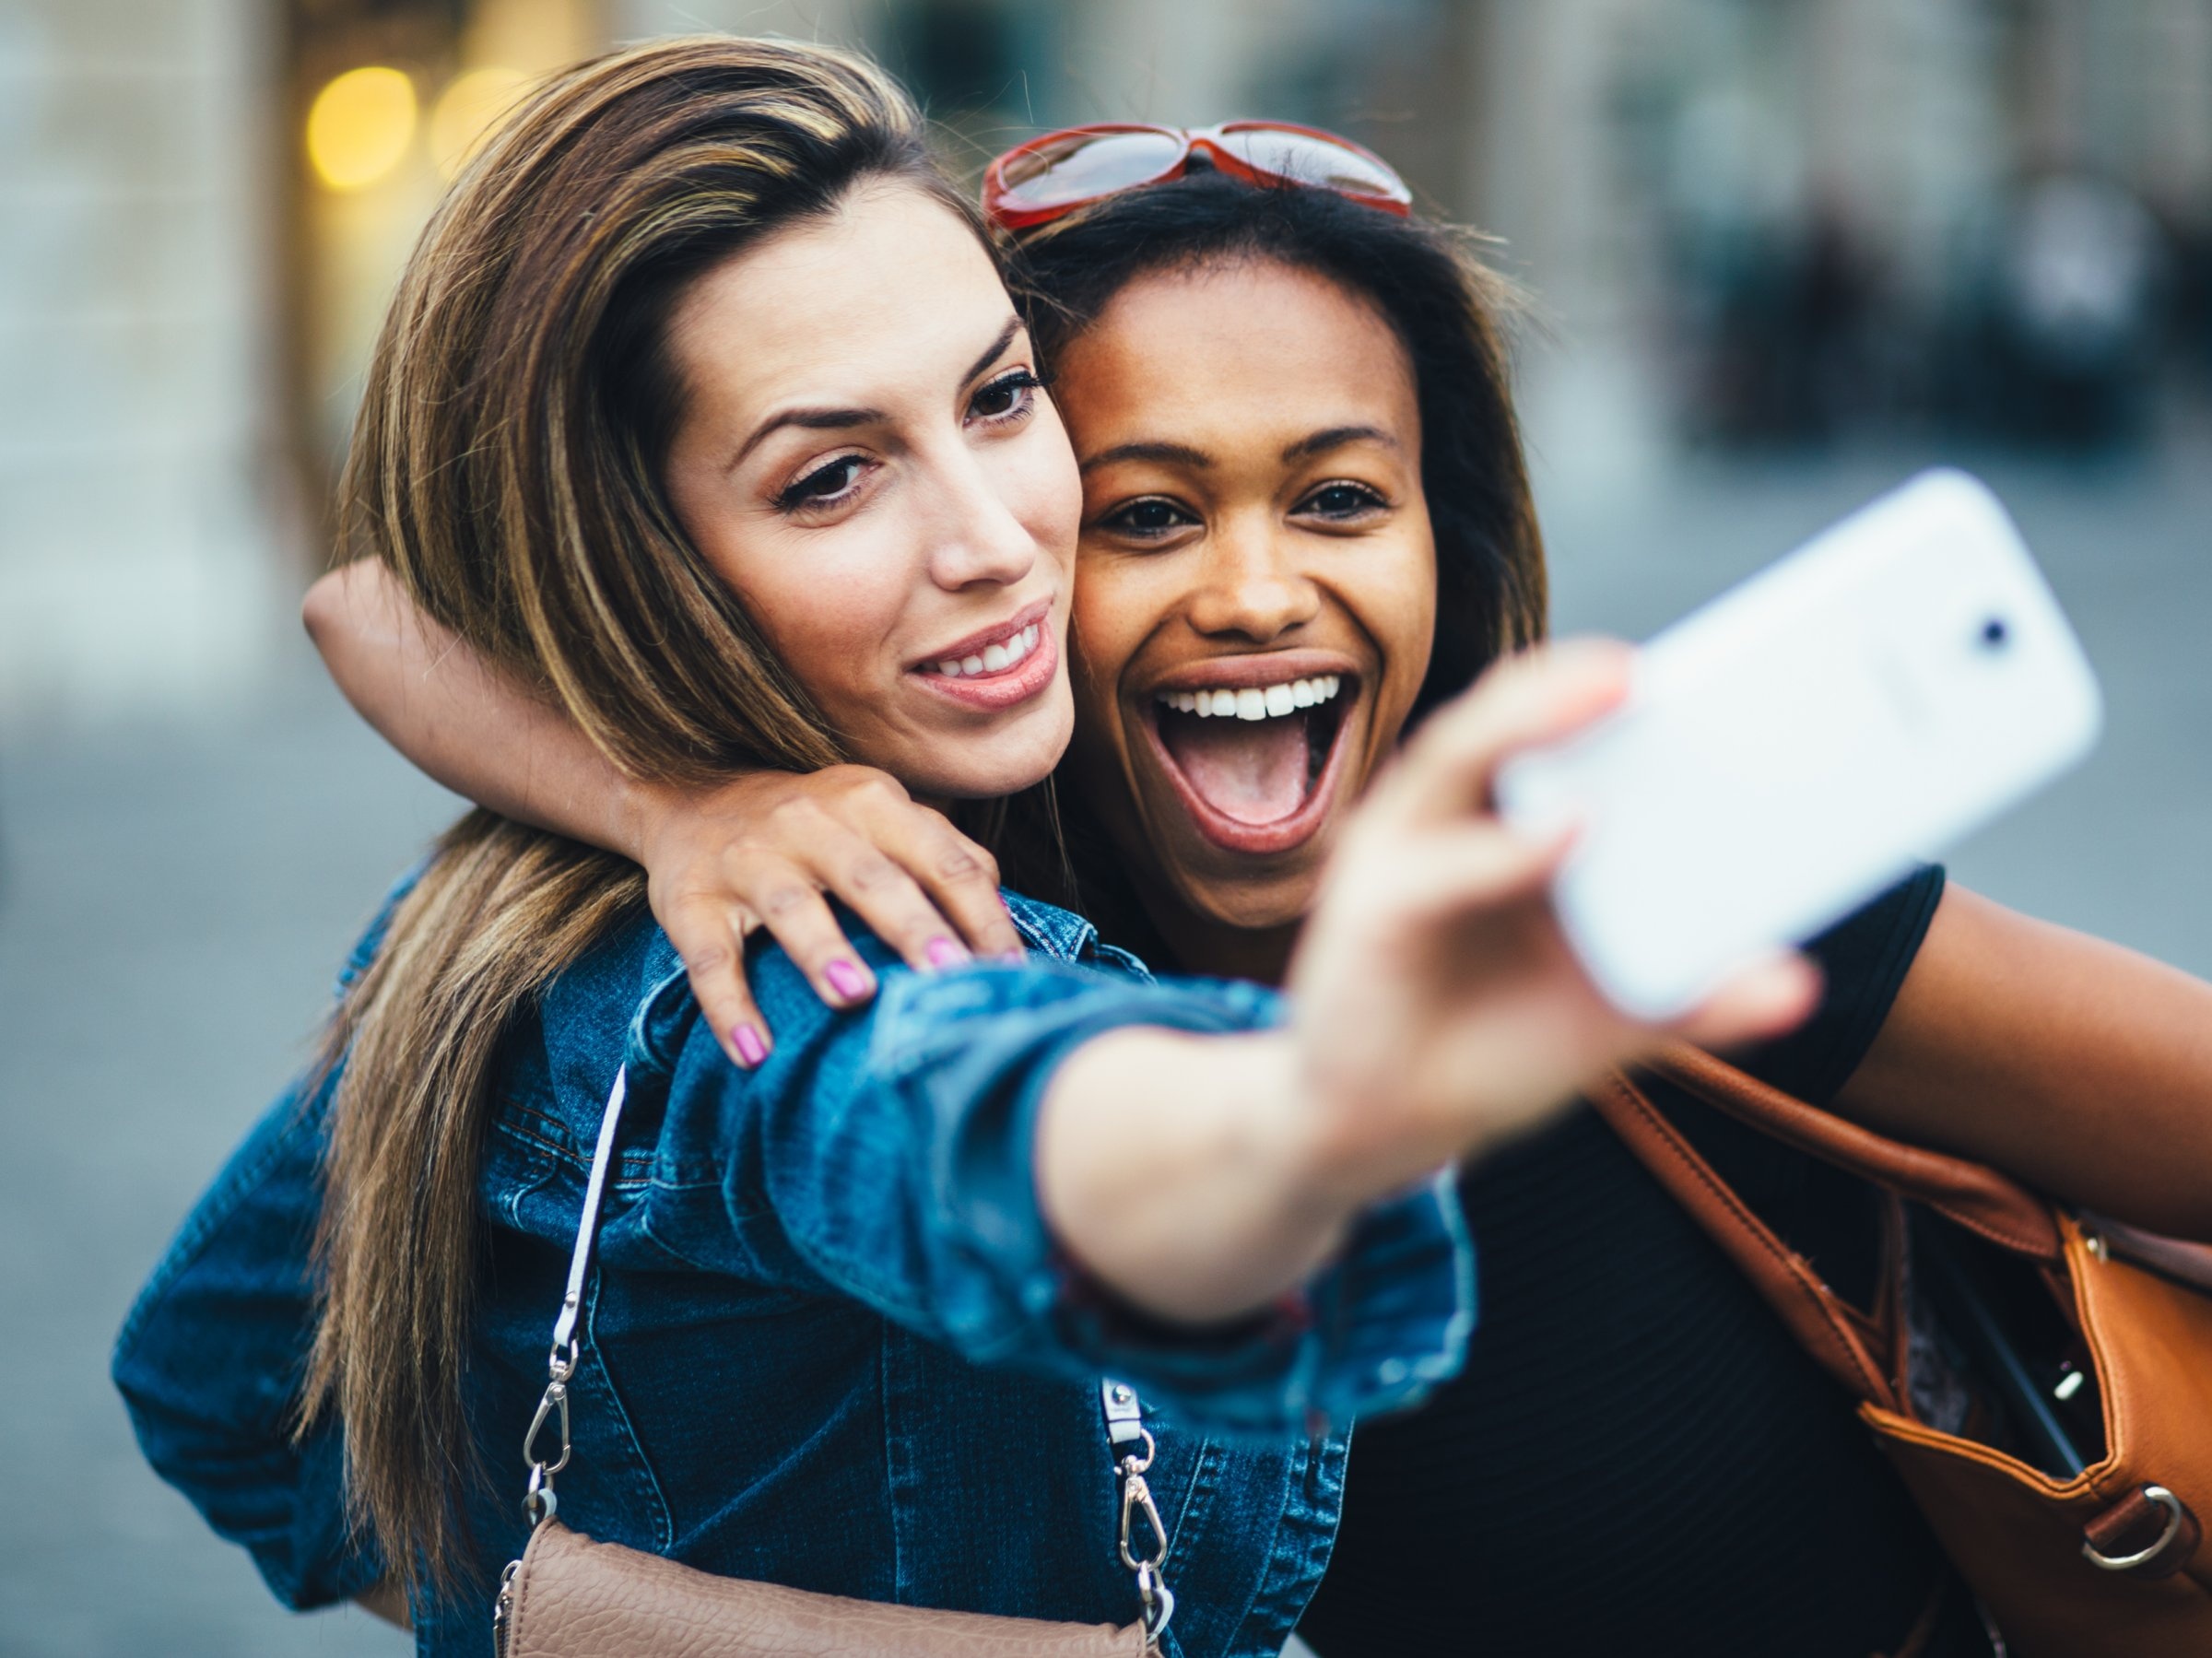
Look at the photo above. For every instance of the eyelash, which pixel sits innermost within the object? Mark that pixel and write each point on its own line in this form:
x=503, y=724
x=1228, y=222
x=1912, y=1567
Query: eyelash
x=1370, y=499
x=801, y=495
x=1022, y=381
x=1116, y=521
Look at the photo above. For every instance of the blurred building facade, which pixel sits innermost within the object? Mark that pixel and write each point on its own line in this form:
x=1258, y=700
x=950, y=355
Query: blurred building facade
x=140, y=497
x=1751, y=221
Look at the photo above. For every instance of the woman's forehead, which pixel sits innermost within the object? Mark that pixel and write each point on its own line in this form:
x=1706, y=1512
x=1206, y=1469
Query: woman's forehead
x=1253, y=352
x=842, y=309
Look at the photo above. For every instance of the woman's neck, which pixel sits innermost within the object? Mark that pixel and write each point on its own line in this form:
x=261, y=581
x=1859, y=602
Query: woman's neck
x=1195, y=944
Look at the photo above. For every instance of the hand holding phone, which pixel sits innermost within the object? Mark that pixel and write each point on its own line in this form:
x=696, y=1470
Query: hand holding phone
x=1791, y=749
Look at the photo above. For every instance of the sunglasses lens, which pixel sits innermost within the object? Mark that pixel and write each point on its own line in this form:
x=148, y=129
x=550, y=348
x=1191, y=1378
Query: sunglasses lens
x=1309, y=159
x=1080, y=167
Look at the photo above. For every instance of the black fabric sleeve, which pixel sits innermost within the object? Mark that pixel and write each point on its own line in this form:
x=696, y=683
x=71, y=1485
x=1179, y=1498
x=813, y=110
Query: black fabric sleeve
x=1863, y=959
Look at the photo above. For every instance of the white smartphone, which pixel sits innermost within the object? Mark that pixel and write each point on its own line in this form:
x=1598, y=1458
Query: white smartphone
x=1789, y=751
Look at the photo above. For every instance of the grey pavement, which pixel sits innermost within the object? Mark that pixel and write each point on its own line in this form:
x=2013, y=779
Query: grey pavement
x=173, y=900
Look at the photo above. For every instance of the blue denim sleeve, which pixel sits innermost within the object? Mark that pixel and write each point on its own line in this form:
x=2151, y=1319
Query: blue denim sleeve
x=887, y=1155
x=210, y=1360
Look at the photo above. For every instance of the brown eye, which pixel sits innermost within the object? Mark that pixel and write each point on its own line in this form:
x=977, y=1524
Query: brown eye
x=1004, y=397
x=1342, y=501
x=1149, y=518
x=823, y=484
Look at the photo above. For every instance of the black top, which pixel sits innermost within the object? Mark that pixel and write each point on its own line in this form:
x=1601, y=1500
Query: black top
x=1639, y=1459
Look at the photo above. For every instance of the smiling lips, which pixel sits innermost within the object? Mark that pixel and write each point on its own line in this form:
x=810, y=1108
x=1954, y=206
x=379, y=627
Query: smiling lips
x=1000, y=668
x=1254, y=764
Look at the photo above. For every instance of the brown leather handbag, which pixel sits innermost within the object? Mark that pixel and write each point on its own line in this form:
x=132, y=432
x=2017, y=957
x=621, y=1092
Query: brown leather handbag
x=571, y=1597
x=2003, y=1326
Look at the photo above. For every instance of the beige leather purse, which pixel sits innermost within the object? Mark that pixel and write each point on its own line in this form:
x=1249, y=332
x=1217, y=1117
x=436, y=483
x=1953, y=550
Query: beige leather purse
x=569, y=1597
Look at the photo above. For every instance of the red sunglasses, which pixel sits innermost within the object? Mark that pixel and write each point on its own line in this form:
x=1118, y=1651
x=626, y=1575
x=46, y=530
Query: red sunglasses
x=1035, y=183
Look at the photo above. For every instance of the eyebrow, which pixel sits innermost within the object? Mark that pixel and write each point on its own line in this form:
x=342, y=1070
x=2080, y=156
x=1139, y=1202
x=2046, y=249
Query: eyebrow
x=844, y=419
x=991, y=355
x=1182, y=455
x=1166, y=455
x=1336, y=437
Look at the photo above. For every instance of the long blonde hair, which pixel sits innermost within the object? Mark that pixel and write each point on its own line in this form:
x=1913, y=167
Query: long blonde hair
x=506, y=464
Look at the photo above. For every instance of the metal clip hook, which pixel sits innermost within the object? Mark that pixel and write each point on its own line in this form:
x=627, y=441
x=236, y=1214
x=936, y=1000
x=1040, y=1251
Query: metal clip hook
x=1137, y=1494
x=555, y=1398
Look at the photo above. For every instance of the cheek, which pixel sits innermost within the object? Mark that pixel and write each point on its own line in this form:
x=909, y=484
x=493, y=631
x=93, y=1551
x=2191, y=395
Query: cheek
x=834, y=650
x=1036, y=477
x=1114, y=612
x=1398, y=609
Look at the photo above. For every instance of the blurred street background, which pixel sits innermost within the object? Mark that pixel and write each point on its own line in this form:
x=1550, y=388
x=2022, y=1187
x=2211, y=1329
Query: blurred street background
x=1784, y=252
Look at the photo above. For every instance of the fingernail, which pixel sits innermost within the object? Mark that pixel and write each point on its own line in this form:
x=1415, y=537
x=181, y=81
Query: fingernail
x=844, y=978
x=752, y=1050
x=1015, y=957
x=944, y=952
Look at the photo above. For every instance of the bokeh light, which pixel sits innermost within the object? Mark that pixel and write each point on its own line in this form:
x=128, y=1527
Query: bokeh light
x=468, y=109
x=359, y=127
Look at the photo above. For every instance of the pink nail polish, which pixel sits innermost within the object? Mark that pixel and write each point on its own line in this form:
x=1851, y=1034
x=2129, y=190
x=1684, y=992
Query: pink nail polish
x=844, y=978
x=750, y=1048
x=944, y=952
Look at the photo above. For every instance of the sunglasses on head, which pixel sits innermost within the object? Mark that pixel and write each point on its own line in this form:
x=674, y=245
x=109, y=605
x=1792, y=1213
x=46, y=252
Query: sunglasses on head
x=1037, y=182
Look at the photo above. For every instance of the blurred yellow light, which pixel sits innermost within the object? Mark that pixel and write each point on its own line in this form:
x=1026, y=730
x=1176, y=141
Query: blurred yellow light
x=359, y=126
x=466, y=111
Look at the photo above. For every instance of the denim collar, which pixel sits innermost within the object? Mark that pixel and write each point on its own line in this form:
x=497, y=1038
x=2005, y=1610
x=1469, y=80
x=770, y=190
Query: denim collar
x=1058, y=932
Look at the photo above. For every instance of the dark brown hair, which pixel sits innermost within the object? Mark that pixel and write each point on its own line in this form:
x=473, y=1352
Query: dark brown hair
x=506, y=463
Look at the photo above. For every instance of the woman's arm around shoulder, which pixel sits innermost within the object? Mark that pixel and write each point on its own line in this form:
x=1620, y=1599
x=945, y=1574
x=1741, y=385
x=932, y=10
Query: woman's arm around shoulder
x=762, y=850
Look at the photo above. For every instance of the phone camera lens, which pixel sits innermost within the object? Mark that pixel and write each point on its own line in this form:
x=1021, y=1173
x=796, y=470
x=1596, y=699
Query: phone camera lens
x=1994, y=634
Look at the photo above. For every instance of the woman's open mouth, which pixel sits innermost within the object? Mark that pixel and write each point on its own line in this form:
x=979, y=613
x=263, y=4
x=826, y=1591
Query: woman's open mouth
x=1255, y=762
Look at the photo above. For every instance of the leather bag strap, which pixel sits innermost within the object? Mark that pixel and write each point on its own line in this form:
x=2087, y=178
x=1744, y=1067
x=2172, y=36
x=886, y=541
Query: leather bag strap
x=1971, y=1195
x=2178, y=1259
x=1839, y=1337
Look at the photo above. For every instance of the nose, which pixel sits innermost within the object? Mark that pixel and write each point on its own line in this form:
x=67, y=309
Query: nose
x=1251, y=586
x=976, y=538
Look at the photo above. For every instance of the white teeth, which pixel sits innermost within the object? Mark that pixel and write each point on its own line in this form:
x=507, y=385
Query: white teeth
x=994, y=658
x=1264, y=703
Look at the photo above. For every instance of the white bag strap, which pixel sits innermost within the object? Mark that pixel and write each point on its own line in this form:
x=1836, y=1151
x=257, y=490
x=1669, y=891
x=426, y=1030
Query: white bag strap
x=1125, y=1428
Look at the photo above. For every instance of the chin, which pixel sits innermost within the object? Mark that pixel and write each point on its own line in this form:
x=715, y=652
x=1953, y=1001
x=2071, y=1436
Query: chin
x=1010, y=761
x=1257, y=904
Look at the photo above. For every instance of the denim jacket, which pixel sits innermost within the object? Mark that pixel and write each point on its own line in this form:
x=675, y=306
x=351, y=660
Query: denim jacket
x=827, y=1340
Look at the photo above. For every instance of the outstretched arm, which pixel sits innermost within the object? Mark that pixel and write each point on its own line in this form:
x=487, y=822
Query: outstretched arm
x=1438, y=1012
x=2082, y=1067
x=761, y=849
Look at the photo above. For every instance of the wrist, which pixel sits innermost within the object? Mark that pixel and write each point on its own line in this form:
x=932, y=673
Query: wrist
x=1360, y=1135
x=643, y=811
x=1175, y=1169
